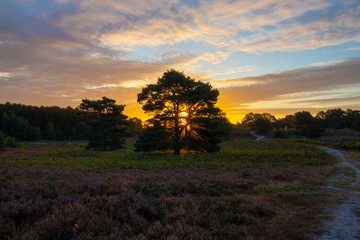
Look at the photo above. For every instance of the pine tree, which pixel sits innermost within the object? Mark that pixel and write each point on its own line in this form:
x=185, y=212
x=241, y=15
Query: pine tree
x=186, y=110
x=107, y=123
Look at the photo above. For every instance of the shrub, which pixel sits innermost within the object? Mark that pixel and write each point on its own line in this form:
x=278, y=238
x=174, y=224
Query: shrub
x=350, y=145
x=6, y=142
x=52, y=177
x=2, y=141
x=279, y=133
x=11, y=142
x=245, y=173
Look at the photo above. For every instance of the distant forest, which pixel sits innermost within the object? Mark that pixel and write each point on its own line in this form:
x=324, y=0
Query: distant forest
x=301, y=123
x=31, y=123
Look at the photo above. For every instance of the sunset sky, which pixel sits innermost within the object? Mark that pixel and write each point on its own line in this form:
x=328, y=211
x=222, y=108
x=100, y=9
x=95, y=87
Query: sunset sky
x=263, y=55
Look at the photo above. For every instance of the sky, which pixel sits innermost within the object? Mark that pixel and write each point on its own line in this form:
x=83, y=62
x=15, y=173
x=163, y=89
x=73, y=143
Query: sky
x=262, y=55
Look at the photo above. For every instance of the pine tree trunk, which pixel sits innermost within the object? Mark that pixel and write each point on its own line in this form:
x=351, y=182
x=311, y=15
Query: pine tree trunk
x=177, y=150
x=177, y=146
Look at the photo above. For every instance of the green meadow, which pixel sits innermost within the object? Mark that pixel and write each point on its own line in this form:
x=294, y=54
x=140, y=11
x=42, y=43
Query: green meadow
x=233, y=154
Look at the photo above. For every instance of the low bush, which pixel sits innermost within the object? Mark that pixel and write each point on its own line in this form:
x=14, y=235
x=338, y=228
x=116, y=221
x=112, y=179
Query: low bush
x=279, y=133
x=2, y=141
x=349, y=145
x=11, y=142
x=7, y=142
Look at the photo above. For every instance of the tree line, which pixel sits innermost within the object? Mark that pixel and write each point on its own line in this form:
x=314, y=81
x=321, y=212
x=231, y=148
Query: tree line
x=303, y=123
x=31, y=123
x=184, y=116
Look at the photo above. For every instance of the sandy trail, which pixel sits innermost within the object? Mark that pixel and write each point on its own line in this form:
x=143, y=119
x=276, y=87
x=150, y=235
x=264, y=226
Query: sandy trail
x=258, y=136
x=345, y=224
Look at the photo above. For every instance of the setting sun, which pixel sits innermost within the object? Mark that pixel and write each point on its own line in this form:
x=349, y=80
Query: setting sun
x=183, y=116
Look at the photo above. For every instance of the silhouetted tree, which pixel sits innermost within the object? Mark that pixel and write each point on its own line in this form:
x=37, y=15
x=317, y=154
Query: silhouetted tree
x=279, y=133
x=154, y=137
x=210, y=126
x=185, y=110
x=135, y=126
x=107, y=123
x=19, y=128
x=260, y=123
x=33, y=133
x=282, y=124
x=50, y=132
x=352, y=118
x=306, y=125
x=333, y=118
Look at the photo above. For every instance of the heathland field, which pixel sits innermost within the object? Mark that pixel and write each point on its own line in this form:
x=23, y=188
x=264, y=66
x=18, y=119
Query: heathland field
x=248, y=190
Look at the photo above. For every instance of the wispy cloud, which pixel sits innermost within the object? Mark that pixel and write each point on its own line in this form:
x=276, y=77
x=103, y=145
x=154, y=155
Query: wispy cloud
x=5, y=75
x=329, y=63
x=307, y=88
x=236, y=25
x=354, y=48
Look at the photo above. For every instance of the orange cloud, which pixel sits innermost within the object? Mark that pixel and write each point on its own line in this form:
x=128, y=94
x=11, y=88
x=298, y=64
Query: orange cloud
x=307, y=88
x=89, y=48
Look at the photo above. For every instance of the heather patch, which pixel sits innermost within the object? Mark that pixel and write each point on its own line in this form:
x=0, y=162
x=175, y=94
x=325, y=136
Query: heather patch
x=40, y=203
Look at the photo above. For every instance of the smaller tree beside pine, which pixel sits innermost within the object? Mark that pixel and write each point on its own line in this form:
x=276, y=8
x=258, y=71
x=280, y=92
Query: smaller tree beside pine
x=108, y=125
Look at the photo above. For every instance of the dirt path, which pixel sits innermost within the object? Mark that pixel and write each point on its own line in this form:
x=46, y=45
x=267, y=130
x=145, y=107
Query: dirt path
x=345, y=223
x=258, y=136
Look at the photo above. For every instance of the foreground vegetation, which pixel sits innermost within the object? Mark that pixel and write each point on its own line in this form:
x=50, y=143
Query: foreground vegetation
x=346, y=145
x=261, y=190
x=239, y=153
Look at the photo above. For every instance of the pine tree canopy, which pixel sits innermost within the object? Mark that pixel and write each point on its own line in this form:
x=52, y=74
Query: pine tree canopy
x=184, y=113
x=107, y=123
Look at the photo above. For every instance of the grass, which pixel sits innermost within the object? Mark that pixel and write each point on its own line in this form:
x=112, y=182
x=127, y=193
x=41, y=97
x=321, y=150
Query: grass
x=342, y=177
x=346, y=145
x=248, y=190
x=240, y=153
